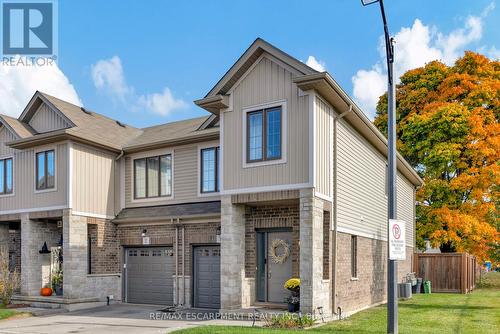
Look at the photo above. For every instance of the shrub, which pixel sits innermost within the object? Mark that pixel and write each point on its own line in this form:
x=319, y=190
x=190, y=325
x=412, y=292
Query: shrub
x=9, y=281
x=289, y=320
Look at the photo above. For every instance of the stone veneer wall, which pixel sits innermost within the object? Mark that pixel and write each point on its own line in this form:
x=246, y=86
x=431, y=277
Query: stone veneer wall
x=36, y=266
x=104, y=245
x=370, y=286
x=270, y=216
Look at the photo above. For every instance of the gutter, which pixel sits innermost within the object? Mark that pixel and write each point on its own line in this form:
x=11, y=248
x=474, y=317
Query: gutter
x=55, y=136
x=333, y=216
x=336, y=96
x=213, y=134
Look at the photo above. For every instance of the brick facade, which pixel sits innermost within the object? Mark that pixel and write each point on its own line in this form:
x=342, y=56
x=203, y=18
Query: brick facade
x=104, y=246
x=270, y=216
x=370, y=286
x=326, y=245
x=15, y=249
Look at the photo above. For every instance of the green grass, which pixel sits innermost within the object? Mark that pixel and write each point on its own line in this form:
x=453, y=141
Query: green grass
x=477, y=312
x=5, y=313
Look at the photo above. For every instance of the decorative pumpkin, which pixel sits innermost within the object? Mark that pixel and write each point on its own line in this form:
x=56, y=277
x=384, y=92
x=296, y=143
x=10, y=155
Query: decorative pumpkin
x=46, y=292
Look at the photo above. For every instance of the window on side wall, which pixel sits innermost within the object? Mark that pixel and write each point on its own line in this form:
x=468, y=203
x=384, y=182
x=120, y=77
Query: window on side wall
x=45, y=170
x=6, y=176
x=354, y=256
x=153, y=177
x=264, y=134
x=209, y=170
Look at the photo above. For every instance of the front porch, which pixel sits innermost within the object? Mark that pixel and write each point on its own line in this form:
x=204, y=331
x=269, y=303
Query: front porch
x=55, y=249
x=282, y=235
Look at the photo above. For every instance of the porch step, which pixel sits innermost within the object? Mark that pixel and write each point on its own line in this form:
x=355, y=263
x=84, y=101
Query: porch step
x=55, y=302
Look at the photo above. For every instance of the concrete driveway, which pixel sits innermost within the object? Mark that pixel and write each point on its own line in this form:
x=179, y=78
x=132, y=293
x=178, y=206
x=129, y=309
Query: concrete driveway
x=118, y=318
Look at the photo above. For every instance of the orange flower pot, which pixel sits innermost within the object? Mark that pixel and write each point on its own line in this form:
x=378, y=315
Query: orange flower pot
x=46, y=292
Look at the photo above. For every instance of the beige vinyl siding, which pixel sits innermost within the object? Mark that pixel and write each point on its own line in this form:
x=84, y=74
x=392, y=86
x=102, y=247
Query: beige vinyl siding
x=362, y=201
x=324, y=148
x=5, y=136
x=185, y=177
x=406, y=206
x=46, y=120
x=93, y=181
x=267, y=82
x=25, y=197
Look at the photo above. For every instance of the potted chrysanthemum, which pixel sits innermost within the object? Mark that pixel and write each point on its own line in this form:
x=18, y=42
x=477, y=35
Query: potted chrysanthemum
x=293, y=285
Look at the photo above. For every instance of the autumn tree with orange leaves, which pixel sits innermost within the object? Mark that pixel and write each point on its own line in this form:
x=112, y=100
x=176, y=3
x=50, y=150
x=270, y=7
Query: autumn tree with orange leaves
x=448, y=129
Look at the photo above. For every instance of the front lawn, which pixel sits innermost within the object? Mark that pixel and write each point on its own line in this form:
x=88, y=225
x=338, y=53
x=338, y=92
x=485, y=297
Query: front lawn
x=477, y=312
x=5, y=313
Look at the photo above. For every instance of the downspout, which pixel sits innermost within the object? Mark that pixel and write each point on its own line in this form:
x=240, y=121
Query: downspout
x=176, y=301
x=333, y=217
x=120, y=155
x=183, y=269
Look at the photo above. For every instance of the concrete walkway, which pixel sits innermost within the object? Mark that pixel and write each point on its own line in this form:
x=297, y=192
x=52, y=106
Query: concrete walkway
x=119, y=318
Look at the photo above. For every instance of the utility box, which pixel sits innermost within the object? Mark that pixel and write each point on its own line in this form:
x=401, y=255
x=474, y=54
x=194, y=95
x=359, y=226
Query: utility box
x=404, y=290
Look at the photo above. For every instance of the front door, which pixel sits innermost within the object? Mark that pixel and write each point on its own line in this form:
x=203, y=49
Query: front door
x=274, y=265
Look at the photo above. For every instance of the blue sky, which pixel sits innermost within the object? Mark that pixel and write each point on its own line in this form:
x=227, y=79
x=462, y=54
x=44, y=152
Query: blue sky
x=144, y=62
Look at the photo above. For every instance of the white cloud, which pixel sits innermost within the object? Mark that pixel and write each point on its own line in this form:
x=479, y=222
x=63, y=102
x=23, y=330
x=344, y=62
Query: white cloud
x=161, y=103
x=493, y=53
x=318, y=65
x=19, y=83
x=368, y=86
x=415, y=46
x=108, y=76
x=454, y=43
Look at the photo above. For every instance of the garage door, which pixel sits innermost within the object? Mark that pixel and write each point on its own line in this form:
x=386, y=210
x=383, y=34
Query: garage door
x=149, y=275
x=207, y=277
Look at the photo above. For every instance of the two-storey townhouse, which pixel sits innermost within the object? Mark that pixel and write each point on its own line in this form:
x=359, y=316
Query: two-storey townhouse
x=285, y=178
x=303, y=188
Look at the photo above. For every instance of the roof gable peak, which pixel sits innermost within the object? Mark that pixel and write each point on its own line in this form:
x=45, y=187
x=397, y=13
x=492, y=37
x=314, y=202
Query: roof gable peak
x=248, y=58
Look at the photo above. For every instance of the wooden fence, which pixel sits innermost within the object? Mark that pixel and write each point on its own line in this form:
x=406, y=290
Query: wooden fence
x=448, y=272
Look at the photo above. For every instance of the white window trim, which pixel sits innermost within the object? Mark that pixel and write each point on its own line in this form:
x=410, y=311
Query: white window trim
x=43, y=149
x=132, y=185
x=284, y=137
x=13, y=193
x=198, y=161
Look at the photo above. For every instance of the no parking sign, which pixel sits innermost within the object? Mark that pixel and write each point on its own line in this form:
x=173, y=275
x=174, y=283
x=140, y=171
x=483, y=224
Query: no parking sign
x=397, y=240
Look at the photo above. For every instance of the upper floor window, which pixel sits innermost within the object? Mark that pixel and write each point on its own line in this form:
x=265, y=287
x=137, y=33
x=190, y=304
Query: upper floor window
x=6, y=184
x=153, y=177
x=45, y=170
x=210, y=170
x=264, y=134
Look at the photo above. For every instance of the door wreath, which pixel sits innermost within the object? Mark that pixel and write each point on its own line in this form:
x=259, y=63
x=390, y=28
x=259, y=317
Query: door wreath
x=279, y=251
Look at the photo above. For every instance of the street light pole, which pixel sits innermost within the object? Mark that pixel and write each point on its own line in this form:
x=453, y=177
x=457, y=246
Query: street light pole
x=392, y=303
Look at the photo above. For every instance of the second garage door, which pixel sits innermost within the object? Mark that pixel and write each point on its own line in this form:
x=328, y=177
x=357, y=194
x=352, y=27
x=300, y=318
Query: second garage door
x=149, y=275
x=207, y=277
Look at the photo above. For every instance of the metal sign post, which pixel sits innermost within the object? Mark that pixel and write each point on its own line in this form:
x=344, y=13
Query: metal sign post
x=392, y=303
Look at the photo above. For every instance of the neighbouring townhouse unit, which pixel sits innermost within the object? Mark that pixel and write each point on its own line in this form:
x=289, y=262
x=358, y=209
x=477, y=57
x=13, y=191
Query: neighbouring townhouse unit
x=285, y=177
